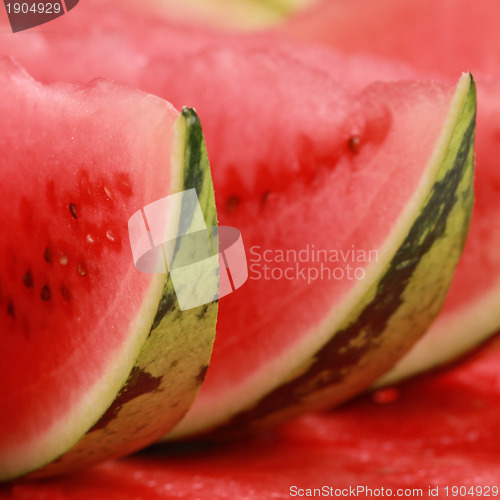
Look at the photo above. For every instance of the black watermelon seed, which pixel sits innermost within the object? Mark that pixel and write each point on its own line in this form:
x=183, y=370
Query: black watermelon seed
x=28, y=280
x=72, y=209
x=47, y=255
x=353, y=143
x=10, y=310
x=46, y=294
x=81, y=269
x=232, y=204
x=66, y=295
x=264, y=197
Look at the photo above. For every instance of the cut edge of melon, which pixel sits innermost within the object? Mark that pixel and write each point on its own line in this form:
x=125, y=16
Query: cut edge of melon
x=448, y=339
x=208, y=415
x=73, y=426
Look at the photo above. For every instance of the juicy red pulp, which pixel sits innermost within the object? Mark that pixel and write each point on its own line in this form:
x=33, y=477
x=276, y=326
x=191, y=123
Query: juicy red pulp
x=69, y=289
x=45, y=283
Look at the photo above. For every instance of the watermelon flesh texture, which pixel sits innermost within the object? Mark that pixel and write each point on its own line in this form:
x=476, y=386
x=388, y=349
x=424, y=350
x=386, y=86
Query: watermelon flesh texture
x=430, y=37
x=274, y=175
x=360, y=444
x=77, y=162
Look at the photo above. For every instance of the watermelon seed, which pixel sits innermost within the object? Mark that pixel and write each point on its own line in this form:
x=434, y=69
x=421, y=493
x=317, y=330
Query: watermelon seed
x=63, y=260
x=10, y=310
x=47, y=255
x=65, y=294
x=354, y=142
x=108, y=193
x=264, y=197
x=46, y=294
x=81, y=269
x=232, y=203
x=90, y=239
x=110, y=235
x=28, y=279
x=72, y=209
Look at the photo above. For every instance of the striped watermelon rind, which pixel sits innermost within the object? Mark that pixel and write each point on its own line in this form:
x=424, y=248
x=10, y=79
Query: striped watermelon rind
x=447, y=340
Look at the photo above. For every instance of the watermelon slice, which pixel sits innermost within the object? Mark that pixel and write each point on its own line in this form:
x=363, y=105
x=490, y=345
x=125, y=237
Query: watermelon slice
x=287, y=359
x=435, y=433
x=272, y=358
x=429, y=35
x=93, y=349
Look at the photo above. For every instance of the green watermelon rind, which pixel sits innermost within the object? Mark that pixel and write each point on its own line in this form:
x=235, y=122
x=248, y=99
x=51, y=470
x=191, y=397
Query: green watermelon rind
x=176, y=348
x=406, y=295
x=448, y=339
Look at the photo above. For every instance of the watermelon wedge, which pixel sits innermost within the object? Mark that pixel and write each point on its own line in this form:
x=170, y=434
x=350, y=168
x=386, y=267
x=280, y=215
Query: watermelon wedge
x=344, y=332
x=437, y=432
x=93, y=349
x=301, y=144
x=429, y=35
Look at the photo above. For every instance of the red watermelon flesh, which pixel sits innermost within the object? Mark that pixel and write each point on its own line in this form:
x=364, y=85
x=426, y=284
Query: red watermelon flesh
x=276, y=182
x=433, y=432
x=438, y=38
x=445, y=35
